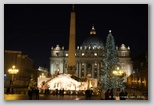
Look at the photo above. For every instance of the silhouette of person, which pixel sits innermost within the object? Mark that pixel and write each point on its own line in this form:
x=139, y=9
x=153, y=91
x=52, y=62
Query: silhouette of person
x=87, y=94
x=63, y=92
x=56, y=91
x=111, y=95
x=122, y=95
x=8, y=90
x=60, y=92
x=30, y=93
x=12, y=90
x=37, y=93
x=107, y=94
x=90, y=93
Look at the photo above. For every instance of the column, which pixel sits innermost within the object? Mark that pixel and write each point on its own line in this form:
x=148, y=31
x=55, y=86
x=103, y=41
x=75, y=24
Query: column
x=79, y=69
x=85, y=69
x=98, y=70
x=92, y=70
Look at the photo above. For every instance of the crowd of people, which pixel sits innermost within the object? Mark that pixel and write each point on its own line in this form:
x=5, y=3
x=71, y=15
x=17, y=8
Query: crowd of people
x=109, y=95
x=32, y=92
x=9, y=90
x=123, y=95
x=60, y=92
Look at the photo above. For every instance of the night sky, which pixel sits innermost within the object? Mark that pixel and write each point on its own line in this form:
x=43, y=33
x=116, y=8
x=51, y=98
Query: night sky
x=34, y=28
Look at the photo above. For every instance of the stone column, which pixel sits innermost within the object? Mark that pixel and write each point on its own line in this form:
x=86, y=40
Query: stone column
x=98, y=70
x=79, y=69
x=51, y=67
x=92, y=70
x=85, y=69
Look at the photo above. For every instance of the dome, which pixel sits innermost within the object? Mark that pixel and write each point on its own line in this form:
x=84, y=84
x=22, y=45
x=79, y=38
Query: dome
x=93, y=40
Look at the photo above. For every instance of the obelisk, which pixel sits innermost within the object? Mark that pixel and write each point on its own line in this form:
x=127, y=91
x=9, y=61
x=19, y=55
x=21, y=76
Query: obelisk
x=72, y=42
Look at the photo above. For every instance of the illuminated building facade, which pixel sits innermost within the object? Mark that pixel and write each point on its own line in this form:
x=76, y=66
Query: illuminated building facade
x=21, y=62
x=88, y=57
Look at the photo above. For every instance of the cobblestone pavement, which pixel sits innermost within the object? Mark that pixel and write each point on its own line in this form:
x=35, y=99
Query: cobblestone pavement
x=41, y=97
x=65, y=97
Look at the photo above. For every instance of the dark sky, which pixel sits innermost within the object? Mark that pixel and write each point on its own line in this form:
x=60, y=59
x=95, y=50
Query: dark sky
x=34, y=28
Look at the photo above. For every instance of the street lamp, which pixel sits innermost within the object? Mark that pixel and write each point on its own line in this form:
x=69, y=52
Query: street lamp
x=118, y=72
x=12, y=71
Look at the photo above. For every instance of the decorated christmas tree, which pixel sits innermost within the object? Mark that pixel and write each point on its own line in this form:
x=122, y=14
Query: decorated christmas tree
x=107, y=79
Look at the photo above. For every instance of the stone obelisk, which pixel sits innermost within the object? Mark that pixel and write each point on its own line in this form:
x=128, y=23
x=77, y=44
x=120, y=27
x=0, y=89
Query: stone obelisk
x=72, y=43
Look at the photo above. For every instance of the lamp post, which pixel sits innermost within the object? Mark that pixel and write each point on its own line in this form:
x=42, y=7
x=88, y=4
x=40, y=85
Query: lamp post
x=12, y=71
x=118, y=72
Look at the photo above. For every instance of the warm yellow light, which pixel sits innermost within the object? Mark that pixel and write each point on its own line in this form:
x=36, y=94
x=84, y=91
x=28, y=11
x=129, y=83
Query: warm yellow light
x=90, y=84
x=13, y=66
x=95, y=54
x=120, y=72
x=118, y=68
x=115, y=72
x=13, y=70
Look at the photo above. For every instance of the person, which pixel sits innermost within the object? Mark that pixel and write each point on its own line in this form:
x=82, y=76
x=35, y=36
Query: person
x=48, y=91
x=90, y=93
x=12, y=90
x=30, y=93
x=60, y=92
x=107, y=94
x=37, y=93
x=56, y=91
x=125, y=95
x=8, y=90
x=63, y=92
x=87, y=94
x=122, y=95
x=45, y=91
x=111, y=96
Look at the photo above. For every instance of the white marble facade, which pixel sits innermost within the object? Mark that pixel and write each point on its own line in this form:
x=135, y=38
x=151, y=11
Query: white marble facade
x=88, y=60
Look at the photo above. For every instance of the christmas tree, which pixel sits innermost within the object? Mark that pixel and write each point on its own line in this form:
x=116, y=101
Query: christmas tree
x=108, y=80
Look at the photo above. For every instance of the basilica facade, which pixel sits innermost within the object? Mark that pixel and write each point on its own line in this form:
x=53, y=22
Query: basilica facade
x=88, y=58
